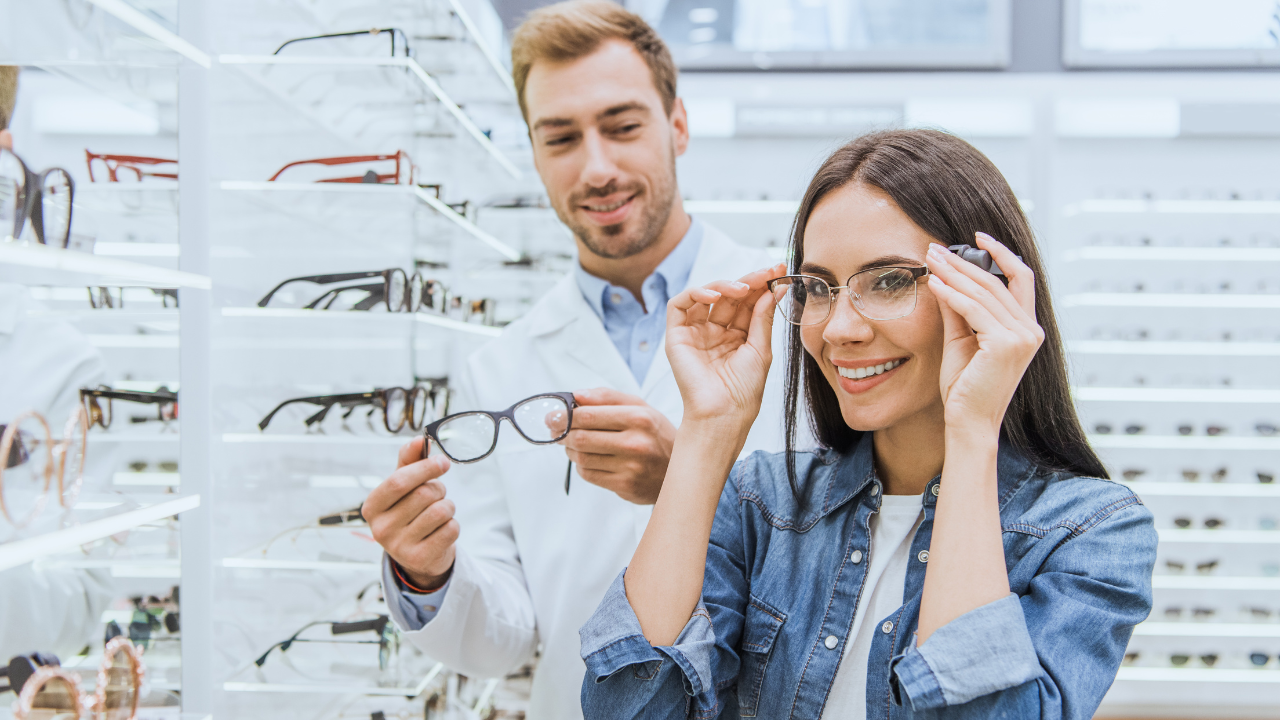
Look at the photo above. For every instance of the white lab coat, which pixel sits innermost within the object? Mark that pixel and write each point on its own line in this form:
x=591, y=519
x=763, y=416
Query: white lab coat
x=43, y=364
x=533, y=563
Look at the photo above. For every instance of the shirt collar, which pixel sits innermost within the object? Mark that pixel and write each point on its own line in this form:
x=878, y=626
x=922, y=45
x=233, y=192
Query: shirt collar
x=674, y=270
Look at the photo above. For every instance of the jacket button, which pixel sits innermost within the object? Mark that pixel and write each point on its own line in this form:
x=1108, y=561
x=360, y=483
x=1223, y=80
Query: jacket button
x=875, y=489
x=855, y=557
x=923, y=556
x=934, y=490
x=831, y=642
x=887, y=627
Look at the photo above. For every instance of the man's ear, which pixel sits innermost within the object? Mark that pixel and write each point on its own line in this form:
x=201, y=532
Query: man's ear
x=6, y=140
x=679, y=127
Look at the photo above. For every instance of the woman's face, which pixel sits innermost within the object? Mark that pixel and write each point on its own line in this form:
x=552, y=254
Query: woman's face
x=852, y=229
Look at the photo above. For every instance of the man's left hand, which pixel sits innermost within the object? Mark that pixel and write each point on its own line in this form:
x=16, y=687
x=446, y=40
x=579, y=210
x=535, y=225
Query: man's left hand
x=620, y=443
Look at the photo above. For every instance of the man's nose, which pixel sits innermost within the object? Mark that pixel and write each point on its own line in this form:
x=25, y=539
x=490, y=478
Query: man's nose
x=600, y=168
x=845, y=324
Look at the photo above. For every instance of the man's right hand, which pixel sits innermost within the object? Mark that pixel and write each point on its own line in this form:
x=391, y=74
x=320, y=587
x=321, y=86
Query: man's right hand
x=411, y=519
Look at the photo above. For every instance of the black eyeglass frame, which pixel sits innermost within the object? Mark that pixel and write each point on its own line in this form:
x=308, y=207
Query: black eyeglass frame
x=382, y=625
x=386, y=276
x=166, y=399
x=430, y=431
x=30, y=205
x=377, y=398
x=917, y=273
x=393, y=31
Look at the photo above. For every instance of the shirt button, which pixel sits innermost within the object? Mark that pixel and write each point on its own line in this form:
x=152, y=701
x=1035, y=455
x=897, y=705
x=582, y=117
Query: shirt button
x=856, y=556
x=875, y=489
x=644, y=346
x=934, y=490
x=887, y=627
x=923, y=556
x=615, y=298
x=831, y=642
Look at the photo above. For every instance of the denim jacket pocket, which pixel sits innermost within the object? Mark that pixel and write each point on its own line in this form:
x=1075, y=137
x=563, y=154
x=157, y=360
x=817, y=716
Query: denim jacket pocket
x=760, y=628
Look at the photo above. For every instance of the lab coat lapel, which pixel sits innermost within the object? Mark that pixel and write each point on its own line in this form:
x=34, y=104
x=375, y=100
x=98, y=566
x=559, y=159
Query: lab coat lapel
x=568, y=328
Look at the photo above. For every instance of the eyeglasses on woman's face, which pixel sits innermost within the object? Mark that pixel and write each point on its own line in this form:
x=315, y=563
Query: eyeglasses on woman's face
x=879, y=293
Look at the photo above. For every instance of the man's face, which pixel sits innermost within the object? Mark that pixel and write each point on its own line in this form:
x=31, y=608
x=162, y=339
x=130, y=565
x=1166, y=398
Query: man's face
x=605, y=147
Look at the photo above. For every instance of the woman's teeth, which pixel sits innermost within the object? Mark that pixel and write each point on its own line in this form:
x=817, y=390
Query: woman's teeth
x=866, y=372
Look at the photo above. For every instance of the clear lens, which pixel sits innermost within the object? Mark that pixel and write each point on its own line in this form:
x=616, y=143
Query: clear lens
x=13, y=194
x=56, y=207
x=72, y=447
x=433, y=296
x=467, y=437
x=25, y=447
x=807, y=300
x=55, y=699
x=396, y=402
x=542, y=419
x=415, y=292
x=396, y=287
x=417, y=407
x=122, y=688
x=884, y=293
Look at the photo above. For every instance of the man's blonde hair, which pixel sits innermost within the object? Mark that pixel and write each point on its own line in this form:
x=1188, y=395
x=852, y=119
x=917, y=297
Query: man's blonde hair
x=8, y=93
x=570, y=30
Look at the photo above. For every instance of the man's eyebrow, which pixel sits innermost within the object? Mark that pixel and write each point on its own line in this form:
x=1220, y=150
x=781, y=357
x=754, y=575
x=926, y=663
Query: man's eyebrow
x=552, y=122
x=622, y=108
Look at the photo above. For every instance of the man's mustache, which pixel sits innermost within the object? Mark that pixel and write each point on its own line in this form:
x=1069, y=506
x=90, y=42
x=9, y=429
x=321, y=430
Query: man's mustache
x=605, y=191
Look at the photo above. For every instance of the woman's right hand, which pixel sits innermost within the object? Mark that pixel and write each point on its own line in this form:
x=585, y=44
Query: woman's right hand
x=719, y=343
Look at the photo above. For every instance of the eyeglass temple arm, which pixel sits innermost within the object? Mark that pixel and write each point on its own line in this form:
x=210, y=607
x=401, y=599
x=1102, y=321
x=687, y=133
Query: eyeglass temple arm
x=568, y=473
x=343, y=160
x=353, y=33
x=320, y=280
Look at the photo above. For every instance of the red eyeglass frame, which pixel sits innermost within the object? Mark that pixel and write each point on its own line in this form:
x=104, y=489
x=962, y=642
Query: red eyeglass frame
x=115, y=163
x=392, y=178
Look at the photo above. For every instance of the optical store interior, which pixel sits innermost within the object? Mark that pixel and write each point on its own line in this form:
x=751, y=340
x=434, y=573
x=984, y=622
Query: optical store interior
x=274, y=231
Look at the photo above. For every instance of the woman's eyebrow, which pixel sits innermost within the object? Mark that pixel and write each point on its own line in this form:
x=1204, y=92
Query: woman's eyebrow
x=815, y=269
x=888, y=261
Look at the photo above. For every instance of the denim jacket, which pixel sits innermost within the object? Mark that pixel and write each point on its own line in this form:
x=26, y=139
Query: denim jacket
x=783, y=580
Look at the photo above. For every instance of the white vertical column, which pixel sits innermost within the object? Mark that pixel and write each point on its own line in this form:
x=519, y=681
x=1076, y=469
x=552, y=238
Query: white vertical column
x=196, y=391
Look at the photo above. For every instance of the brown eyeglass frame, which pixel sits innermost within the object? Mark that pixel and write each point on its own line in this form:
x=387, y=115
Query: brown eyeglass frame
x=76, y=427
x=87, y=705
x=116, y=163
x=381, y=178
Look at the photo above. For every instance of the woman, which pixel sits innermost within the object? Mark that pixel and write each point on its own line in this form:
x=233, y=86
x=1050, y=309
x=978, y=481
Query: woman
x=952, y=549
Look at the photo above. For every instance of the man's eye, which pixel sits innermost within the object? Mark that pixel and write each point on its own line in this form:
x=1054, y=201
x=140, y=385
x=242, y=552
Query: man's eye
x=627, y=128
x=562, y=140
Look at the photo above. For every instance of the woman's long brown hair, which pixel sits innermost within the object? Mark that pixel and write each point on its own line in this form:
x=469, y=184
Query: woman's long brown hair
x=951, y=191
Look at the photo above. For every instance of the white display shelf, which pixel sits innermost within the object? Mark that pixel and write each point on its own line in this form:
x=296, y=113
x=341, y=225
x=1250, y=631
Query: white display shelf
x=335, y=315
x=1220, y=537
x=35, y=264
x=1190, y=489
x=409, y=64
x=357, y=189
x=1198, y=675
x=1223, y=301
x=1175, y=349
x=136, y=249
x=1174, y=254
x=132, y=437
x=153, y=479
x=1172, y=207
x=144, y=24
x=315, y=439
x=1251, y=396
x=1184, y=442
x=1212, y=582
x=335, y=687
x=134, y=340
x=22, y=551
x=1207, y=629
x=165, y=569
x=250, y=563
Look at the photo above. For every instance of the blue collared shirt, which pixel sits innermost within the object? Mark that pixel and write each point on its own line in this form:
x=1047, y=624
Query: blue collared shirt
x=635, y=332
x=635, y=329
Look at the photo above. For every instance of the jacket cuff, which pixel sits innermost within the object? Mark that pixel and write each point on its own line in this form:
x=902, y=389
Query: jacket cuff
x=612, y=640
x=411, y=611
x=986, y=650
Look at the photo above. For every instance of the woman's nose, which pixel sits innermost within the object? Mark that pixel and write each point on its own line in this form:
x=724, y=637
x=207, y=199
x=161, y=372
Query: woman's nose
x=845, y=324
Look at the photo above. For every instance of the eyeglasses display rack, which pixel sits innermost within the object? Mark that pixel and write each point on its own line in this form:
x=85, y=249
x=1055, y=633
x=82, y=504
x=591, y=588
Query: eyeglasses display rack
x=92, y=305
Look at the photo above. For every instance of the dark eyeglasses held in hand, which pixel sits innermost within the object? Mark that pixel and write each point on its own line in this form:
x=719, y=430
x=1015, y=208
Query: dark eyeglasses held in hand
x=101, y=414
x=388, y=641
x=471, y=436
x=132, y=168
x=41, y=201
x=399, y=406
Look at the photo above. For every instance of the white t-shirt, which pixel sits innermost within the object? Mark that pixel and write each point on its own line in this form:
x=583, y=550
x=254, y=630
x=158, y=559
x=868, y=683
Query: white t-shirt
x=892, y=530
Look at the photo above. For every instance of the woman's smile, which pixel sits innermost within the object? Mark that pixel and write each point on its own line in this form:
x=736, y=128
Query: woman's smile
x=859, y=376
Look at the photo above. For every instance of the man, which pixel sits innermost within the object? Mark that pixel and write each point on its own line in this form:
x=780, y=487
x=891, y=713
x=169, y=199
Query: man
x=522, y=566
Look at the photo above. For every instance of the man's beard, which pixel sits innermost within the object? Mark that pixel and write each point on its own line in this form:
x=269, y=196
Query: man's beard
x=610, y=242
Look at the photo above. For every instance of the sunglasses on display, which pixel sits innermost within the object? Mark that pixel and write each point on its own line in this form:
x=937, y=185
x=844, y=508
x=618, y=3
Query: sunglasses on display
x=388, y=641
x=1203, y=568
x=129, y=168
x=399, y=406
x=471, y=436
x=401, y=174
x=1209, y=523
x=153, y=619
x=33, y=459
x=1182, y=659
x=1199, y=613
x=100, y=413
x=39, y=201
x=101, y=298
x=1193, y=475
x=393, y=33
x=164, y=466
x=51, y=692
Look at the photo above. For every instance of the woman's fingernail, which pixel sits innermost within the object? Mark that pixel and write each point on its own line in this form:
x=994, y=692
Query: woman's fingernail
x=738, y=285
x=984, y=236
x=935, y=250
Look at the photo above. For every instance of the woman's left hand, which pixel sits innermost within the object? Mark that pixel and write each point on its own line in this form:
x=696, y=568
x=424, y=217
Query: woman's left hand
x=990, y=333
